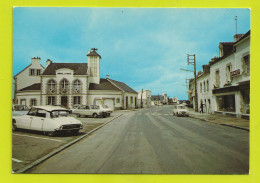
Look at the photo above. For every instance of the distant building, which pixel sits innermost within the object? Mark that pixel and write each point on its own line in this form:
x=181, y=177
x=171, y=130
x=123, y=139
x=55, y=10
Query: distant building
x=144, y=99
x=175, y=100
x=165, y=98
x=71, y=84
x=156, y=100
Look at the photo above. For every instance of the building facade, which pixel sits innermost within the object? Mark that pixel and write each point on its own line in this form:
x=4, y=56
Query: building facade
x=71, y=84
x=224, y=85
x=204, y=93
x=230, y=78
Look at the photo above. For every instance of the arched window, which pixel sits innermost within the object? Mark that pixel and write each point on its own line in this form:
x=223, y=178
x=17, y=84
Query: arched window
x=77, y=85
x=51, y=86
x=64, y=86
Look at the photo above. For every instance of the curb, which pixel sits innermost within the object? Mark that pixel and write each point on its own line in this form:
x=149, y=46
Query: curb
x=233, y=126
x=49, y=155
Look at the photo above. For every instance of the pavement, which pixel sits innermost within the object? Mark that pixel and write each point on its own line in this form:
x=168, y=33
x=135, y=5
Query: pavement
x=220, y=119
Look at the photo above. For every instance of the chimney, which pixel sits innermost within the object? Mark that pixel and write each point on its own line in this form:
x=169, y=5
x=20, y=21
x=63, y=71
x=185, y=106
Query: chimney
x=48, y=62
x=36, y=60
x=237, y=37
x=206, y=69
x=107, y=76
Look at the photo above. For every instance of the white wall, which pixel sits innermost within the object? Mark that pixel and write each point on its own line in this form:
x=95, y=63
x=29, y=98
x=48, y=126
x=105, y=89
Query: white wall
x=28, y=96
x=105, y=97
x=242, y=49
x=24, y=79
x=204, y=95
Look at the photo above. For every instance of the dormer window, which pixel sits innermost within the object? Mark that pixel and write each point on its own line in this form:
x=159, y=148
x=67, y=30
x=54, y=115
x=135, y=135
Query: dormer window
x=32, y=73
x=221, y=53
x=38, y=72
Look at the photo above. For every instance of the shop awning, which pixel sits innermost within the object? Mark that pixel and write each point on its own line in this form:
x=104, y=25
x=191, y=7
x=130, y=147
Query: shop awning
x=241, y=86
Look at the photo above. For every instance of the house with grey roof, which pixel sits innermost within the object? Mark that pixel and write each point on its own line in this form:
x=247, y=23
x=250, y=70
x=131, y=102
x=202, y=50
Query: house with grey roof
x=71, y=84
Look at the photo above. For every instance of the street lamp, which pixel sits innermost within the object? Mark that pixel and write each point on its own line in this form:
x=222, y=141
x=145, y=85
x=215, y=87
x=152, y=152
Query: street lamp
x=186, y=70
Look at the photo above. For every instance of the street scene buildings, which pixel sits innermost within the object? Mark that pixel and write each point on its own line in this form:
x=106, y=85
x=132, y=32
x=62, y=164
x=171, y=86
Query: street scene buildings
x=71, y=84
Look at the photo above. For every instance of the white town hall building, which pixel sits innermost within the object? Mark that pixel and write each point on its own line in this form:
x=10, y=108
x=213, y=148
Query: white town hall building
x=71, y=84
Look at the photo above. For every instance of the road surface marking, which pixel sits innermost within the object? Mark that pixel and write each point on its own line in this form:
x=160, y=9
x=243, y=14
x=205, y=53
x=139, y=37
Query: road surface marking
x=38, y=137
x=17, y=160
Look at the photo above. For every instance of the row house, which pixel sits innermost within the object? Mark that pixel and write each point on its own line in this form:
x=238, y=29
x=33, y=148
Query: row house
x=224, y=85
x=71, y=84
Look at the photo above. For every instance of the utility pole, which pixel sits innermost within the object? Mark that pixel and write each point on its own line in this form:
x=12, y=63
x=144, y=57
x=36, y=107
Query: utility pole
x=142, y=99
x=191, y=59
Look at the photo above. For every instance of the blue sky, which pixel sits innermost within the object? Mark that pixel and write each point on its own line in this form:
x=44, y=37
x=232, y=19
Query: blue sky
x=143, y=47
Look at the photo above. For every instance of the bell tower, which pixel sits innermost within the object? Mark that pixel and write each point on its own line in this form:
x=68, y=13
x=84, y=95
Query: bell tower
x=94, y=66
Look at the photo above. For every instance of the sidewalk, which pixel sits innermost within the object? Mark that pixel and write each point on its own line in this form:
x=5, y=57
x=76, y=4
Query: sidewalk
x=221, y=119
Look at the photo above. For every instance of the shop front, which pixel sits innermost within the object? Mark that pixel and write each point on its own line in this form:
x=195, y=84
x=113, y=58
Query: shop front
x=233, y=100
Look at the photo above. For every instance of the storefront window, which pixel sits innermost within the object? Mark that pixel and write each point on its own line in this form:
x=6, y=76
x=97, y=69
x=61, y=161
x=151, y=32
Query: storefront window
x=246, y=101
x=226, y=103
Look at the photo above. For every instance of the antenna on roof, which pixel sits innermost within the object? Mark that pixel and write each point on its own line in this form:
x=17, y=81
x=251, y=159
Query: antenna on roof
x=236, y=23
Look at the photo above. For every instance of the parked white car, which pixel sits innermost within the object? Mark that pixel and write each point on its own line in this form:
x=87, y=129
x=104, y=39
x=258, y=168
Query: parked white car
x=180, y=110
x=89, y=110
x=49, y=119
x=18, y=110
x=106, y=109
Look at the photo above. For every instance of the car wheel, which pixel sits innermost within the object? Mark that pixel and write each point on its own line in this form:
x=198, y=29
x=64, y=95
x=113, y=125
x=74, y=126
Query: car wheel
x=14, y=127
x=50, y=134
x=78, y=115
x=173, y=114
x=95, y=115
x=108, y=114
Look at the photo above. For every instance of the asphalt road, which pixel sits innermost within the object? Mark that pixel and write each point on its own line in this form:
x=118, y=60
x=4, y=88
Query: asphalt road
x=152, y=141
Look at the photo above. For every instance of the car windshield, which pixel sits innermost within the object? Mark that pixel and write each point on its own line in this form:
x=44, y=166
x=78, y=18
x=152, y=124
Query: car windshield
x=181, y=107
x=94, y=107
x=105, y=106
x=60, y=113
x=21, y=108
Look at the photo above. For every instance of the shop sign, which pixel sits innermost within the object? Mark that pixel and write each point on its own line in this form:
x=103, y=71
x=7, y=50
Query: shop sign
x=235, y=73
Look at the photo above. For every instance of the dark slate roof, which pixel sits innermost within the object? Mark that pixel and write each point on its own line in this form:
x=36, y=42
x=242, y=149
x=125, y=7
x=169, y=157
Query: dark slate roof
x=123, y=86
x=79, y=68
x=93, y=53
x=35, y=86
x=156, y=98
x=229, y=52
x=243, y=37
x=103, y=85
x=227, y=47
